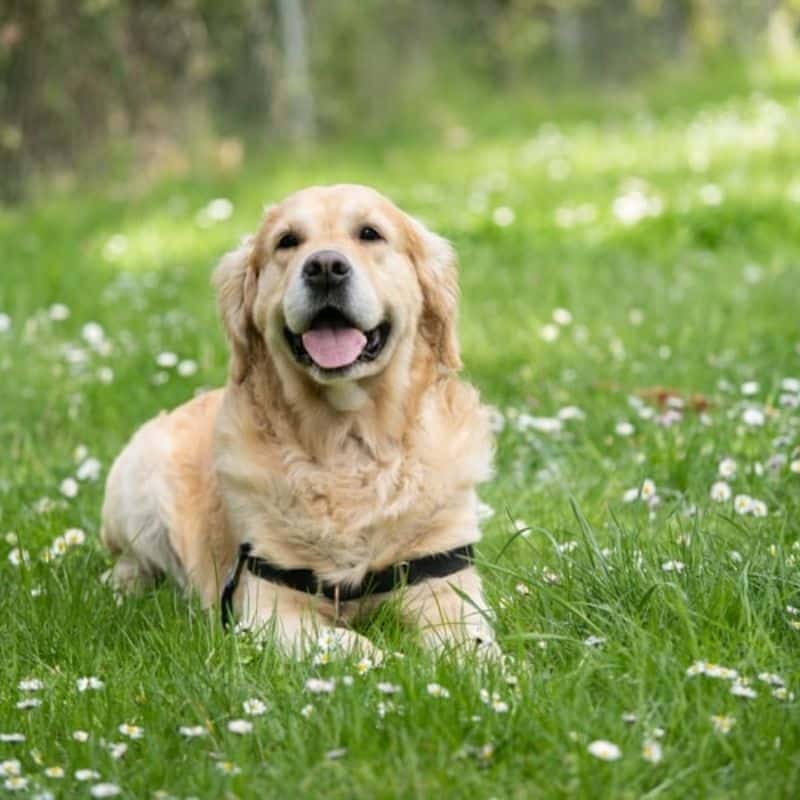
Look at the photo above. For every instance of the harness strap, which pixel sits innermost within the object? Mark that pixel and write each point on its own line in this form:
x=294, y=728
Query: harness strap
x=405, y=573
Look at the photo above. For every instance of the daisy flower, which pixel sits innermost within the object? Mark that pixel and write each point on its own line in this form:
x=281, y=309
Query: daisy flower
x=69, y=488
x=240, y=726
x=652, y=751
x=436, y=690
x=604, y=750
x=192, y=731
x=743, y=690
x=74, y=537
x=17, y=556
x=15, y=783
x=54, y=772
x=364, y=666
x=84, y=684
x=166, y=359
x=30, y=685
x=743, y=504
x=673, y=566
x=723, y=723
x=624, y=429
x=753, y=417
x=727, y=468
x=131, y=731
x=388, y=688
x=307, y=710
x=549, y=332
x=87, y=775
x=80, y=736
x=648, y=489
x=105, y=790
x=720, y=492
x=187, y=368
x=320, y=685
x=228, y=768
x=10, y=767
x=89, y=470
x=12, y=737
x=117, y=749
x=30, y=702
x=254, y=707
x=503, y=216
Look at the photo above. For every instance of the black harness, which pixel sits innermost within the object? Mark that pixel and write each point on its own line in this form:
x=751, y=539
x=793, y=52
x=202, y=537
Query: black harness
x=406, y=573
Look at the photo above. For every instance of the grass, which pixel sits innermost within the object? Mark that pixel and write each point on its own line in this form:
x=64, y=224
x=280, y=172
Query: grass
x=690, y=301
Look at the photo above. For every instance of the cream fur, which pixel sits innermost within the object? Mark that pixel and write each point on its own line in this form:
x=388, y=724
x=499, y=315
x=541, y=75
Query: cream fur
x=340, y=477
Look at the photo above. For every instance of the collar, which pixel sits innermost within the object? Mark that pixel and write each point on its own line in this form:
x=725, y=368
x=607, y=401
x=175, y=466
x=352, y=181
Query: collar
x=404, y=573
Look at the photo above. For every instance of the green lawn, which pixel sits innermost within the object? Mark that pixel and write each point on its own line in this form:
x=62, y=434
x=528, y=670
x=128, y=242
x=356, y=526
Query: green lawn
x=667, y=224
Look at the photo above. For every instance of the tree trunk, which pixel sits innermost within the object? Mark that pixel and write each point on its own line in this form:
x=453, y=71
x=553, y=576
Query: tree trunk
x=299, y=95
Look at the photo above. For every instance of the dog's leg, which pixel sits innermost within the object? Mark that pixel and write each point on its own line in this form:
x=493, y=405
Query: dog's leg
x=297, y=622
x=451, y=613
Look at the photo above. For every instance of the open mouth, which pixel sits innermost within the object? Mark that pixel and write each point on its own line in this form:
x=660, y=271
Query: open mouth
x=332, y=342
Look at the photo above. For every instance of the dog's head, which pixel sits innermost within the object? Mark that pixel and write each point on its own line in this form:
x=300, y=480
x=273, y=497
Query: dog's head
x=337, y=283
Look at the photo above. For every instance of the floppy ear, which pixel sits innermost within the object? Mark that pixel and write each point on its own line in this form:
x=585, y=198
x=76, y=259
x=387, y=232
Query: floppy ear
x=436, y=265
x=235, y=281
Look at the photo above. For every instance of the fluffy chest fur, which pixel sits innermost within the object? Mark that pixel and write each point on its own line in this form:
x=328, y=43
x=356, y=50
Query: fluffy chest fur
x=351, y=506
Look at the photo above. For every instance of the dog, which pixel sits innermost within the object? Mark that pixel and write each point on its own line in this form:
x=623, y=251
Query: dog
x=343, y=447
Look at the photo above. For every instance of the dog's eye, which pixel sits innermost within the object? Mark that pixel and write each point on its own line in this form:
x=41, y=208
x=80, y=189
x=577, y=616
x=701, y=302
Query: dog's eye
x=368, y=234
x=287, y=241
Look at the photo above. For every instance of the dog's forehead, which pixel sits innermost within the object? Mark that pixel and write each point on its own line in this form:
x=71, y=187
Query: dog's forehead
x=333, y=206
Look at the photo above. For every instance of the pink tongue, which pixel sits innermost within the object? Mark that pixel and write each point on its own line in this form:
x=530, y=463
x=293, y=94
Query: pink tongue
x=334, y=347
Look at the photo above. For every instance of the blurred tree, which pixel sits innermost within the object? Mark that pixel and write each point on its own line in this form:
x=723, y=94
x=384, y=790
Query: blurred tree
x=82, y=77
x=297, y=76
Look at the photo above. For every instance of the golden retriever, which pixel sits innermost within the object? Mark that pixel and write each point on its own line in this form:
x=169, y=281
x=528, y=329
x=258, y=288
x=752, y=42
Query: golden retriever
x=343, y=442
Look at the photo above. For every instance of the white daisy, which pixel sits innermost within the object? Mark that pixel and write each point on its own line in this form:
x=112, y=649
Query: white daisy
x=604, y=750
x=503, y=216
x=166, y=359
x=131, y=731
x=652, y=751
x=30, y=685
x=87, y=775
x=437, y=690
x=117, y=749
x=187, y=368
x=105, y=790
x=320, y=685
x=727, y=468
x=721, y=492
x=69, y=488
x=254, y=707
x=743, y=690
x=54, y=772
x=743, y=504
x=192, y=731
x=88, y=470
x=84, y=684
x=723, y=723
x=753, y=417
x=240, y=726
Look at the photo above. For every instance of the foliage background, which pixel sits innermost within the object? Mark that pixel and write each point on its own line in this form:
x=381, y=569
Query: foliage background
x=88, y=83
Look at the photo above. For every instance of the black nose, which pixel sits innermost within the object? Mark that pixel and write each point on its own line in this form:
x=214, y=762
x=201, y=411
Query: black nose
x=326, y=269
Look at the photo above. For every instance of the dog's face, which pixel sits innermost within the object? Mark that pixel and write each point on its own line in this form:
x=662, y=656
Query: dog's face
x=337, y=282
